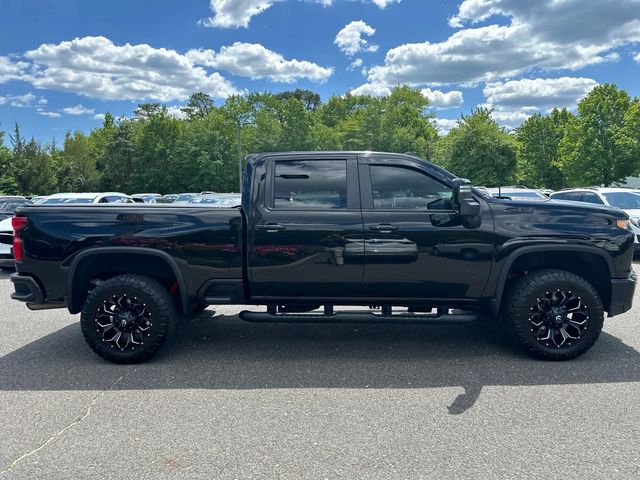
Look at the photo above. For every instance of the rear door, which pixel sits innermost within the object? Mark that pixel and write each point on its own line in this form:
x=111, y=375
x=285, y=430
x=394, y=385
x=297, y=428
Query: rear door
x=306, y=239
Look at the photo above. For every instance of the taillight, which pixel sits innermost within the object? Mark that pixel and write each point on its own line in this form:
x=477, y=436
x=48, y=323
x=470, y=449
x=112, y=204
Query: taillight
x=18, y=224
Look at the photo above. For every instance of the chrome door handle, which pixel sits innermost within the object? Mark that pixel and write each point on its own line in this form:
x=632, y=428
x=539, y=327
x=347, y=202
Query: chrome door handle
x=271, y=227
x=383, y=228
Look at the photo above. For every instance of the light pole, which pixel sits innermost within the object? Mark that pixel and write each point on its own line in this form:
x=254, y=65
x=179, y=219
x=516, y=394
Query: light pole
x=240, y=124
x=240, y=156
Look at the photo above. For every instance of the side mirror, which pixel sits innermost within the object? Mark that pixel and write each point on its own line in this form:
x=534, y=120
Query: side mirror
x=463, y=201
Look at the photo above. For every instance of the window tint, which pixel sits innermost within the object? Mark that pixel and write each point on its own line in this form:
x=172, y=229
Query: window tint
x=591, y=198
x=624, y=200
x=403, y=188
x=573, y=196
x=311, y=184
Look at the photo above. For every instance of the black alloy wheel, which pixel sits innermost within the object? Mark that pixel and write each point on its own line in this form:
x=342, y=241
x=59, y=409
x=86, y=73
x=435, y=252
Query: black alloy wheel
x=127, y=318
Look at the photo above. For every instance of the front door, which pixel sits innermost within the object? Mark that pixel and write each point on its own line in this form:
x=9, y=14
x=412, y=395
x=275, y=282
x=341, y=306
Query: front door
x=416, y=246
x=307, y=240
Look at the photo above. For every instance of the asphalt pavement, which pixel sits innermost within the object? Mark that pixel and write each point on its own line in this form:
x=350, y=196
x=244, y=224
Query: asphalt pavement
x=232, y=400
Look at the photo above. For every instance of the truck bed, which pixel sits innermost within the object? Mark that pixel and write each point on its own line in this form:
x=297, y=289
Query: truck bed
x=204, y=241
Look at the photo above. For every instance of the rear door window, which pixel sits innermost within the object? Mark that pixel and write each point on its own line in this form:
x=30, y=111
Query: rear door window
x=310, y=184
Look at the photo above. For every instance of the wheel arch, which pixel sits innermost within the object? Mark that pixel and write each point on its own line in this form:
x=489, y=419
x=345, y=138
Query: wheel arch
x=588, y=262
x=112, y=261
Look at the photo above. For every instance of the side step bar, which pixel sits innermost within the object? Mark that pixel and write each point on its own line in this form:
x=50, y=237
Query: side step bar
x=358, y=317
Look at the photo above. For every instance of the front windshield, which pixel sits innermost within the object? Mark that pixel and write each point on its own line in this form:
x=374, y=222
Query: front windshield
x=59, y=201
x=624, y=200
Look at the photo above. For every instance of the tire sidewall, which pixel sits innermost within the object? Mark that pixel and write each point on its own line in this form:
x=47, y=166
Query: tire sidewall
x=587, y=294
x=156, y=305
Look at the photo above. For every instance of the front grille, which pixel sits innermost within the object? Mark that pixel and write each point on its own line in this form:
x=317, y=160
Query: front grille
x=6, y=238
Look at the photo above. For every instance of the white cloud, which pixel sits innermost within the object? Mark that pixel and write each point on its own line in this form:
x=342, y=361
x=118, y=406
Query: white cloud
x=11, y=70
x=373, y=89
x=78, y=110
x=350, y=40
x=238, y=13
x=3, y=100
x=357, y=63
x=255, y=61
x=99, y=116
x=547, y=35
x=96, y=67
x=175, y=112
x=542, y=94
x=48, y=114
x=440, y=99
x=384, y=3
x=444, y=125
x=42, y=101
x=20, y=101
x=509, y=119
x=235, y=13
x=636, y=57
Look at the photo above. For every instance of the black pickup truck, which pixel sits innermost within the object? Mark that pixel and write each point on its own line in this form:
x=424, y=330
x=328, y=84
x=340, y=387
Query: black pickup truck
x=318, y=231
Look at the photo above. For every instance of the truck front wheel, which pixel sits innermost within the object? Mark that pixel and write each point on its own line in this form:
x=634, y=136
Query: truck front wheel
x=127, y=318
x=554, y=314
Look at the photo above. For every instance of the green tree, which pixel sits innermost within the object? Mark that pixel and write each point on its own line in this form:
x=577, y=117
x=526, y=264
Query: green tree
x=199, y=105
x=76, y=167
x=155, y=165
x=596, y=148
x=36, y=176
x=8, y=183
x=116, y=160
x=537, y=153
x=310, y=100
x=480, y=150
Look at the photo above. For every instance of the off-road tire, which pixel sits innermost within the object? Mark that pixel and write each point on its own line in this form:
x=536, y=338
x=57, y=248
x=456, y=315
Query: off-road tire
x=524, y=293
x=157, y=301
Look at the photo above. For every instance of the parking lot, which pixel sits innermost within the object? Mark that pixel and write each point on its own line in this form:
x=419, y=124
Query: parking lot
x=228, y=399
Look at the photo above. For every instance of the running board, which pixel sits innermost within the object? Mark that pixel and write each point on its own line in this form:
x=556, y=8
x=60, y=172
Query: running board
x=358, y=317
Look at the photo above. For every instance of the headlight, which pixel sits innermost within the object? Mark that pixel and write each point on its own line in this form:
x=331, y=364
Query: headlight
x=635, y=221
x=623, y=224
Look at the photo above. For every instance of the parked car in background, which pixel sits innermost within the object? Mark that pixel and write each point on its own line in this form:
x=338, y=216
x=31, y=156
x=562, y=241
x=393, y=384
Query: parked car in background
x=519, y=193
x=6, y=241
x=625, y=199
x=184, y=197
x=73, y=198
x=218, y=200
x=168, y=198
x=38, y=199
x=147, y=197
x=8, y=207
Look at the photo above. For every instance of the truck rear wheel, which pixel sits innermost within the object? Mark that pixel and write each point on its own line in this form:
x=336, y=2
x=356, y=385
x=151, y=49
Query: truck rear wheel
x=554, y=314
x=127, y=318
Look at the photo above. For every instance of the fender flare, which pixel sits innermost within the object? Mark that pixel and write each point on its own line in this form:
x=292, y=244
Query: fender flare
x=519, y=252
x=83, y=255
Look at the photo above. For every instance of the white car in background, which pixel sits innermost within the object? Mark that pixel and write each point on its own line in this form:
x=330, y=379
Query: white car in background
x=6, y=241
x=79, y=198
x=517, y=193
x=625, y=199
x=6, y=230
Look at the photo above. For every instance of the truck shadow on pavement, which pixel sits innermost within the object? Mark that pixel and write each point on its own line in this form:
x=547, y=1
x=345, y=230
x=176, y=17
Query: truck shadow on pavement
x=222, y=352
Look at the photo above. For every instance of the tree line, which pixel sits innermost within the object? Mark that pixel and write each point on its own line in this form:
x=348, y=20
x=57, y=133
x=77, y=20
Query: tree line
x=155, y=151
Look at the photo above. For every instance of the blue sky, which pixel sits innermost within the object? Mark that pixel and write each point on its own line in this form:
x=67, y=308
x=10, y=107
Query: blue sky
x=64, y=63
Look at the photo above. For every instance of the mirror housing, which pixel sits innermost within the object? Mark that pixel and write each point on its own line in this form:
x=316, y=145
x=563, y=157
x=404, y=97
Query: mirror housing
x=464, y=202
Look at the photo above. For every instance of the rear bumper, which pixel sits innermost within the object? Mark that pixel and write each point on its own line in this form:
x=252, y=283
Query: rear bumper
x=622, y=290
x=26, y=289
